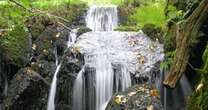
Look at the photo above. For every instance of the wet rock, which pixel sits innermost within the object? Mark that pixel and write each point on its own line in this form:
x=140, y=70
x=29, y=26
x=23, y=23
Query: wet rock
x=24, y=90
x=82, y=30
x=139, y=97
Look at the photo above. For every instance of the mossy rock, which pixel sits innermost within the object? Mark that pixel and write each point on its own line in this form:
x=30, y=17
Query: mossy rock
x=82, y=30
x=15, y=46
x=155, y=33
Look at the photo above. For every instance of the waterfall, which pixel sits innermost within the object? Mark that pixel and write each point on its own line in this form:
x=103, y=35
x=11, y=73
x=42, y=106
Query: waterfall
x=51, y=104
x=102, y=18
x=78, y=92
x=110, y=56
x=51, y=101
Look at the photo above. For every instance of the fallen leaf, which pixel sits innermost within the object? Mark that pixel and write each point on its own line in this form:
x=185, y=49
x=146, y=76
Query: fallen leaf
x=155, y=93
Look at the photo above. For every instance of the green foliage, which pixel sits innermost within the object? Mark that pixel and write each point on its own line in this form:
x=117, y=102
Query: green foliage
x=168, y=60
x=14, y=42
x=150, y=14
x=173, y=13
x=199, y=99
x=11, y=15
x=205, y=59
x=137, y=13
x=51, y=4
x=69, y=11
x=15, y=45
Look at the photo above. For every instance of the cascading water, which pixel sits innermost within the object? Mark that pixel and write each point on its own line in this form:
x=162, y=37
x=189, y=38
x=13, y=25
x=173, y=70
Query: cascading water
x=78, y=92
x=110, y=57
x=102, y=18
x=51, y=104
x=71, y=40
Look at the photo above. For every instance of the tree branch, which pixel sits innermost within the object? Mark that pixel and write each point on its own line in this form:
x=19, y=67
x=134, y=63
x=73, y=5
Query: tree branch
x=189, y=31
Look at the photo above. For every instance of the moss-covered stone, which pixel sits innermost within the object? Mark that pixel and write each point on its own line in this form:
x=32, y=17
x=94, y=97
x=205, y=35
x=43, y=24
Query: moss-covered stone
x=14, y=44
x=155, y=33
x=82, y=30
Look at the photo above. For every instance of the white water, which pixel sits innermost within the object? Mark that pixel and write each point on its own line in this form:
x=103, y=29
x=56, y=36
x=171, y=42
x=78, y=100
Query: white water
x=71, y=40
x=102, y=18
x=78, y=91
x=113, y=55
x=51, y=105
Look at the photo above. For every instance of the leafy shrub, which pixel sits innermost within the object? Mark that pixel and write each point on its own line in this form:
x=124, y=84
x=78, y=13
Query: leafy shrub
x=150, y=14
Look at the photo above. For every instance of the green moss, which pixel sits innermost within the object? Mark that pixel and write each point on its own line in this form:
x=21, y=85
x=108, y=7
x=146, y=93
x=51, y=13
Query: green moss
x=139, y=13
x=82, y=30
x=14, y=44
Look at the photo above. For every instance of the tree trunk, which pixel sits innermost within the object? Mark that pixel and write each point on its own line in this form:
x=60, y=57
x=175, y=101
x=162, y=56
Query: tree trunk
x=186, y=33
